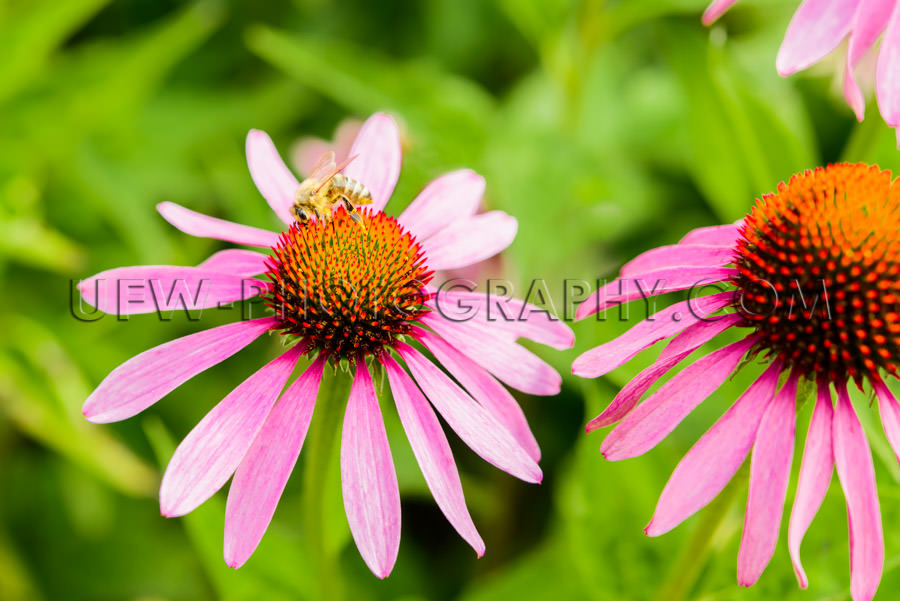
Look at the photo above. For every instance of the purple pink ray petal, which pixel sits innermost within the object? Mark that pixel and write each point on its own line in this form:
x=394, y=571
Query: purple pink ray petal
x=499, y=354
x=853, y=460
x=713, y=461
x=470, y=240
x=489, y=393
x=146, y=378
x=815, y=477
x=770, y=472
x=212, y=451
x=432, y=452
x=473, y=423
x=164, y=288
x=716, y=9
x=887, y=71
x=685, y=343
x=447, y=199
x=243, y=263
x=868, y=23
x=645, y=426
x=368, y=479
x=649, y=284
x=272, y=177
x=378, y=156
x=713, y=235
x=816, y=29
x=679, y=255
x=890, y=416
x=264, y=471
x=204, y=226
x=667, y=322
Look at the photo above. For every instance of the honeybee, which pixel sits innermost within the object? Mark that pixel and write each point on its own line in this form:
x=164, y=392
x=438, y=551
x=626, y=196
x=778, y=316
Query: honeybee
x=325, y=188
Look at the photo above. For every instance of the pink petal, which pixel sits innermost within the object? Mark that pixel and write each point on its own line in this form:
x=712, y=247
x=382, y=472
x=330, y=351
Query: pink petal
x=144, y=379
x=242, y=263
x=650, y=422
x=264, y=471
x=204, y=226
x=272, y=177
x=378, y=157
x=868, y=23
x=368, y=479
x=472, y=240
x=432, y=451
x=472, y=422
x=887, y=71
x=489, y=393
x=212, y=451
x=307, y=152
x=815, y=477
x=662, y=324
x=686, y=343
x=509, y=362
x=853, y=461
x=164, y=288
x=518, y=318
x=817, y=28
x=770, y=471
x=651, y=283
x=451, y=197
x=714, y=235
x=890, y=416
x=679, y=255
x=716, y=9
x=711, y=463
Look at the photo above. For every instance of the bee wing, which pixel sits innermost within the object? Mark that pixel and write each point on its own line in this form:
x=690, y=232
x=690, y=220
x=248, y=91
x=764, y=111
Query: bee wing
x=326, y=177
x=323, y=167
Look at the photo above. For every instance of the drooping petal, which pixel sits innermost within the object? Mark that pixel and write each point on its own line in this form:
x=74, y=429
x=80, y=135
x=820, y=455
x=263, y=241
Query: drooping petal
x=451, y=197
x=770, y=471
x=512, y=315
x=242, y=263
x=432, y=451
x=212, y=451
x=817, y=28
x=887, y=71
x=164, y=288
x=679, y=255
x=472, y=240
x=713, y=235
x=204, y=226
x=686, y=343
x=668, y=322
x=651, y=283
x=489, y=393
x=264, y=471
x=815, y=477
x=853, y=460
x=499, y=354
x=868, y=23
x=272, y=177
x=378, y=157
x=713, y=461
x=716, y=9
x=473, y=423
x=652, y=420
x=890, y=416
x=146, y=378
x=368, y=479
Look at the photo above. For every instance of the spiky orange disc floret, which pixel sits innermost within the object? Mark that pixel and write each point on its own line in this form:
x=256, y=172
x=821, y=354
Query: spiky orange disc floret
x=819, y=272
x=348, y=291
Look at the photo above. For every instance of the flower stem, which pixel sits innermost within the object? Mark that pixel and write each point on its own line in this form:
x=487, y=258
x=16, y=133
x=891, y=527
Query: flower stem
x=321, y=457
x=686, y=570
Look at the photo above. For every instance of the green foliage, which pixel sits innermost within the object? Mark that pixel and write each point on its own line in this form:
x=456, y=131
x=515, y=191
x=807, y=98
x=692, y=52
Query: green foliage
x=604, y=127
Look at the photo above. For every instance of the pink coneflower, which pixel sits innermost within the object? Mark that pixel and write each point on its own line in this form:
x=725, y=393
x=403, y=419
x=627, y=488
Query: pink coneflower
x=815, y=277
x=354, y=297
x=819, y=26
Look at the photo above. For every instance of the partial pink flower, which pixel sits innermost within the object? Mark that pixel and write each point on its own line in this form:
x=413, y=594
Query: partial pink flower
x=818, y=28
x=812, y=275
x=351, y=296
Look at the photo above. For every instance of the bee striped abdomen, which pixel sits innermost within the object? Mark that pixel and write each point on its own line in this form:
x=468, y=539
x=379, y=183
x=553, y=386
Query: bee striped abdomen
x=355, y=191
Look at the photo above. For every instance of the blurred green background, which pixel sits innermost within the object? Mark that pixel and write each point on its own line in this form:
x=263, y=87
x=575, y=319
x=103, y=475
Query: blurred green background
x=605, y=127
